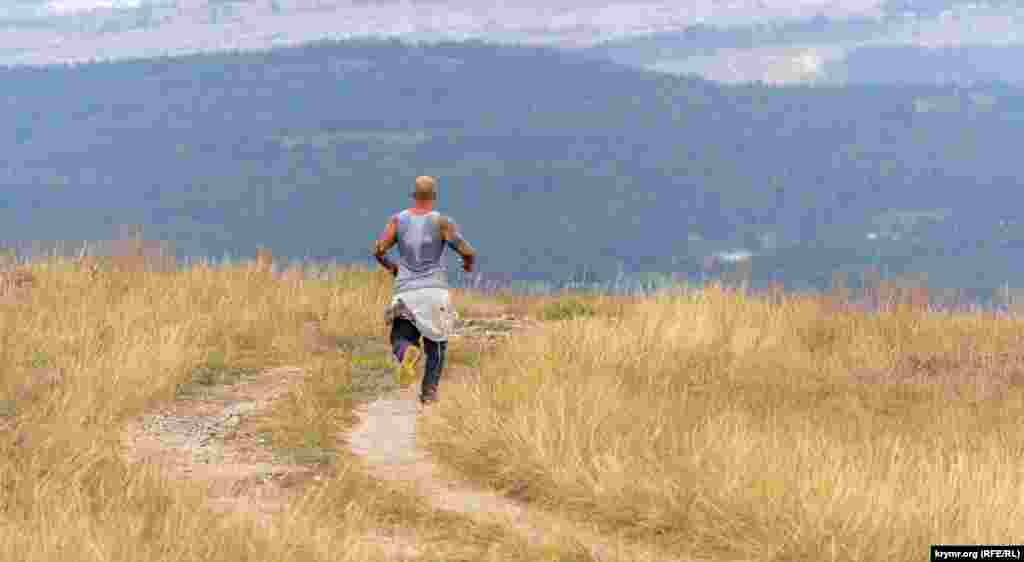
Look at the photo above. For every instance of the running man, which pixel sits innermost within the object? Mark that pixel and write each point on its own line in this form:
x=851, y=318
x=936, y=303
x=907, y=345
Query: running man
x=420, y=306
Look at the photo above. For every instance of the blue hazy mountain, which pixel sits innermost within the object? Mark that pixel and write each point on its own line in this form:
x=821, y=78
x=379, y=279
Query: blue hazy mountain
x=908, y=64
x=550, y=160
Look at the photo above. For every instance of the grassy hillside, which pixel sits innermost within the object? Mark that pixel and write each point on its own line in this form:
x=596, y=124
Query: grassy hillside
x=725, y=427
x=114, y=343
x=708, y=424
x=89, y=346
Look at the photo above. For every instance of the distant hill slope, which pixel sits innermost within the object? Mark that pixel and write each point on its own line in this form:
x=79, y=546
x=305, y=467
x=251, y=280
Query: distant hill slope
x=911, y=42
x=906, y=64
x=548, y=160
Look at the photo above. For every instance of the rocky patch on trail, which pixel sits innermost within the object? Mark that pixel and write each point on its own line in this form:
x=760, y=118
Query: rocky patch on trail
x=491, y=331
x=209, y=442
x=199, y=434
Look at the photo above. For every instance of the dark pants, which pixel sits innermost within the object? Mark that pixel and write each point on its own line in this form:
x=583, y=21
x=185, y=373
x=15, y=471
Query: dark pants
x=403, y=334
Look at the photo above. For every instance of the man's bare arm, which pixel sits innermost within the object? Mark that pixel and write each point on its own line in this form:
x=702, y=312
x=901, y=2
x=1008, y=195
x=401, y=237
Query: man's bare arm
x=383, y=244
x=452, y=236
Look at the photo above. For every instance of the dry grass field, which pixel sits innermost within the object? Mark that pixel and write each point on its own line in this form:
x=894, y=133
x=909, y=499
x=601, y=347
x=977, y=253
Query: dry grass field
x=709, y=424
x=90, y=344
x=725, y=427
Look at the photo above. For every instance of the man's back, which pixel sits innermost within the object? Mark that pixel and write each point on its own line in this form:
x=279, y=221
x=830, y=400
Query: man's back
x=421, y=251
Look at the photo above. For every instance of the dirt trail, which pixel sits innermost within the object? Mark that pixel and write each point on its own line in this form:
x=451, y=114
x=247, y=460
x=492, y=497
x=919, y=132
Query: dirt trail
x=385, y=439
x=204, y=440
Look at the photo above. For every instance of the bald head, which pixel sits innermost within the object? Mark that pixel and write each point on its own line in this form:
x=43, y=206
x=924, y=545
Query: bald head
x=426, y=189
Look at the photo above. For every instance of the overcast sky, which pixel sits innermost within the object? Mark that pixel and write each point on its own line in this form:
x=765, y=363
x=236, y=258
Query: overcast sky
x=103, y=29
x=708, y=9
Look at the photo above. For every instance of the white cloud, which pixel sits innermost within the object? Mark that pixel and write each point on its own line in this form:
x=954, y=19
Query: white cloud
x=173, y=25
x=92, y=29
x=65, y=7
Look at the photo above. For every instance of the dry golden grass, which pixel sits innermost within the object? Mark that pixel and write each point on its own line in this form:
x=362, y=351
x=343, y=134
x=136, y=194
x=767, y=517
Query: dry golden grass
x=540, y=307
x=110, y=340
x=714, y=425
x=94, y=343
x=731, y=428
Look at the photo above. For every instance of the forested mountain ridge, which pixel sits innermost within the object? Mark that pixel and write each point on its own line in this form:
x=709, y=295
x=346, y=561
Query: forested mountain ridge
x=547, y=159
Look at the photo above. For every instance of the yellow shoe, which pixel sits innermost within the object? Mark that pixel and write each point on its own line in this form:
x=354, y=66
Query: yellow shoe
x=406, y=372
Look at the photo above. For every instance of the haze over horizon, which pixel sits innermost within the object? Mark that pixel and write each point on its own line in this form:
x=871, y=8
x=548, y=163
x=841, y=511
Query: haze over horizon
x=63, y=31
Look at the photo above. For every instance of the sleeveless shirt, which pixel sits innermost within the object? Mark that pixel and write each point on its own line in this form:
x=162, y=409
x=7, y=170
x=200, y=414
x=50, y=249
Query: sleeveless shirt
x=421, y=252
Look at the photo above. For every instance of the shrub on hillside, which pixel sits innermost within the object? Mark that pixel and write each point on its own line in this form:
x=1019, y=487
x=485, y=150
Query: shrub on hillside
x=567, y=310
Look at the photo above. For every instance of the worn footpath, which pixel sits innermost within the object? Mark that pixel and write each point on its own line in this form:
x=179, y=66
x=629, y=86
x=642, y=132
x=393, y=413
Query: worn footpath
x=204, y=439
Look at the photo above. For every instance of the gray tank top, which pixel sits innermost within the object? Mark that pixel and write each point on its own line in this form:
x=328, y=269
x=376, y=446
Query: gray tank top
x=421, y=253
